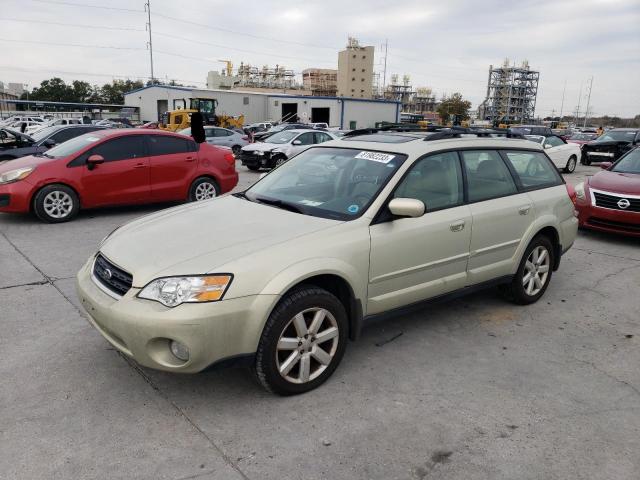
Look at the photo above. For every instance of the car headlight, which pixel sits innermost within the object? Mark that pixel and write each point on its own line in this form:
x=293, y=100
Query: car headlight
x=259, y=152
x=16, y=175
x=580, y=193
x=173, y=291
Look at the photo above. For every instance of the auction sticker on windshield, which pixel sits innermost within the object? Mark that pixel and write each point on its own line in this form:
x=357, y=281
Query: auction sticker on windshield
x=376, y=156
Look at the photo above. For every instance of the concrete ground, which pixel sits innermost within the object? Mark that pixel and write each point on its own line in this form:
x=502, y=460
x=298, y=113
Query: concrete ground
x=472, y=389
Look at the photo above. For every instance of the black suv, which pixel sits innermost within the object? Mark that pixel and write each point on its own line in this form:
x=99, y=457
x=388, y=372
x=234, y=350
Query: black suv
x=14, y=144
x=610, y=146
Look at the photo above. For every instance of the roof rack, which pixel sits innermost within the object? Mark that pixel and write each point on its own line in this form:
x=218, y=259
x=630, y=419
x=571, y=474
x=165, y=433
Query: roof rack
x=457, y=132
x=393, y=128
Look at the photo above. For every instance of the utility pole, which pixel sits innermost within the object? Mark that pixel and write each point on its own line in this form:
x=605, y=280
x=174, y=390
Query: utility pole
x=564, y=90
x=586, y=113
x=578, y=107
x=384, y=74
x=147, y=7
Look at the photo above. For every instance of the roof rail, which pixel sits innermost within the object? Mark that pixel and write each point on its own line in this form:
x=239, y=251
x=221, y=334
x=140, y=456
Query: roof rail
x=457, y=132
x=361, y=131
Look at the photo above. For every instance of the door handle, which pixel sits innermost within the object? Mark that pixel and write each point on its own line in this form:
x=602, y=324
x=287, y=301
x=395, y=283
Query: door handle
x=190, y=159
x=524, y=210
x=457, y=226
x=140, y=165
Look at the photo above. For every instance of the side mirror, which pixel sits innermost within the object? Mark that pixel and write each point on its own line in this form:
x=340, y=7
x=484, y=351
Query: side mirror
x=605, y=165
x=407, y=207
x=94, y=160
x=546, y=145
x=49, y=142
x=296, y=142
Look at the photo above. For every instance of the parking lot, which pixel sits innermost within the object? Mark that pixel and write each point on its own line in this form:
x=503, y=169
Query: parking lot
x=476, y=388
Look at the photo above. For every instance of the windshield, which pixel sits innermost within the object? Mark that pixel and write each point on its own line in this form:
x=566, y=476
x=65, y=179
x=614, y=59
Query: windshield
x=630, y=163
x=616, y=136
x=72, y=146
x=582, y=136
x=335, y=183
x=283, y=137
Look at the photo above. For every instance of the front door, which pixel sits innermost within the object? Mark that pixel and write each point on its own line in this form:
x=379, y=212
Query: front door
x=123, y=178
x=501, y=215
x=413, y=259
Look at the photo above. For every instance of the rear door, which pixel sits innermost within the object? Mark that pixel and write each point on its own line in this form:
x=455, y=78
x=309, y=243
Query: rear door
x=501, y=215
x=174, y=161
x=123, y=178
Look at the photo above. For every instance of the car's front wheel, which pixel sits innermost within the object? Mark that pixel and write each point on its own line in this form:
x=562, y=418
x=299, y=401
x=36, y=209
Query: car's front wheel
x=56, y=204
x=303, y=341
x=570, y=167
x=534, y=272
x=203, y=188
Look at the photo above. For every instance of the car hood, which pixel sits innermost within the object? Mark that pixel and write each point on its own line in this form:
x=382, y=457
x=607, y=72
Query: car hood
x=28, y=161
x=616, y=182
x=263, y=146
x=605, y=146
x=199, y=237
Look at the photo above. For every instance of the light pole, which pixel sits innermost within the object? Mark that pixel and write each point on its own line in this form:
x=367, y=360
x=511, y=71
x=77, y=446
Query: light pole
x=26, y=87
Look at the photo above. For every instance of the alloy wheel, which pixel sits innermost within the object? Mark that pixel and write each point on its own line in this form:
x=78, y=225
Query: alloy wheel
x=58, y=204
x=205, y=191
x=307, y=345
x=536, y=270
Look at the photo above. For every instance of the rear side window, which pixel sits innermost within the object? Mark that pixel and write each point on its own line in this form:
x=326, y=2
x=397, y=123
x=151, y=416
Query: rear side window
x=162, y=145
x=122, y=148
x=487, y=175
x=221, y=132
x=533, y=169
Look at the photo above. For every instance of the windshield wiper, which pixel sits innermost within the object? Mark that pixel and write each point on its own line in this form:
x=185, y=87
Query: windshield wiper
x=280, y=204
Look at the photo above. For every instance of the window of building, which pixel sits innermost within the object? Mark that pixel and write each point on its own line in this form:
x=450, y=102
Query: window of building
x=353, y=79
x=354, y=56
x=353, y=70
x=362, y=79
x=364, y=57
x=245, y=100
x=363, y=70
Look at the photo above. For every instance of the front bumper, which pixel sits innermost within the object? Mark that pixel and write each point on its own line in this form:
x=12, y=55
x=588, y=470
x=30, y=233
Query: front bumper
x=15, y=197
x=142, y=329
x=608, y=220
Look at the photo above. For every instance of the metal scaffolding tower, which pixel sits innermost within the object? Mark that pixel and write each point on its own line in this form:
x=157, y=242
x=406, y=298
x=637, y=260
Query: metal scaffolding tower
x=511, y=94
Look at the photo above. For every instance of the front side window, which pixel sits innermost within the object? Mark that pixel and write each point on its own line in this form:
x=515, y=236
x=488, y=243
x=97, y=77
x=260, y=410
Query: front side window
x=487, y=175
x=630, y=163
x=533, y=169
x=553, y=142
x=163, y=145
x=221, y=132
x=121, y=148
x=305, y=139
x=337, y=183
x=436, y=180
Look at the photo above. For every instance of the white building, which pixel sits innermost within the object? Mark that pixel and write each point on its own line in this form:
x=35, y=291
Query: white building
x=340, y=112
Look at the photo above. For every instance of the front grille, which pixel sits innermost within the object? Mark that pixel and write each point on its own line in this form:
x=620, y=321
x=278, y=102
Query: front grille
x=111, y=276
x=251, y=158
x=611, y=201
x=601, y=222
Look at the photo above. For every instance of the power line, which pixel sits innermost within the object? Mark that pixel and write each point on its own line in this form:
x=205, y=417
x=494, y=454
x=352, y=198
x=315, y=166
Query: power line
x=46, y=22
x=69, y=44
x=74, y=4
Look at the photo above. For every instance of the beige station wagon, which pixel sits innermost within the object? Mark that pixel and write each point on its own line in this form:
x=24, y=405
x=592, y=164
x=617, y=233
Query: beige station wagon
x=282, y=275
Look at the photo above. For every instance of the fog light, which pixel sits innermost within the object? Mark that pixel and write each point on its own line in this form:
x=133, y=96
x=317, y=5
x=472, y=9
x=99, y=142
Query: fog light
x=179, y=350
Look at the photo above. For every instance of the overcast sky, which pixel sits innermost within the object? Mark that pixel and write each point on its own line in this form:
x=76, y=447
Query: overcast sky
x=446, y=45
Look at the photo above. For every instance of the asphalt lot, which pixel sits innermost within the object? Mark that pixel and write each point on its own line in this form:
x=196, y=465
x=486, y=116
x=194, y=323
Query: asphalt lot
x=473, y=389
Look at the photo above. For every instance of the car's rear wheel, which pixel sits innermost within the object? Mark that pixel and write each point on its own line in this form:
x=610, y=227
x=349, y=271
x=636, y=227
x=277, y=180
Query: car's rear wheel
x=236, y=149
x=203, y=188
x=570, y=167
x=303, y=341
x=56, y=204
x=534, y=273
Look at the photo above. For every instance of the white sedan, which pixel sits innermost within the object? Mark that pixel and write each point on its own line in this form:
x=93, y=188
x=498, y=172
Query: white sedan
x=564, y=155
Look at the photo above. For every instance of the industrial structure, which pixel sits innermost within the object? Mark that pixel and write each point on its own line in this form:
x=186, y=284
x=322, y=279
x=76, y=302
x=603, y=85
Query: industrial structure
x=320, y=81
x=421, y=101
x=355, y=70
x=511, y=94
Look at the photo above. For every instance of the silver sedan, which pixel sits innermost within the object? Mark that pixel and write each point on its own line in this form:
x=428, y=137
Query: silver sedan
x=222, y=137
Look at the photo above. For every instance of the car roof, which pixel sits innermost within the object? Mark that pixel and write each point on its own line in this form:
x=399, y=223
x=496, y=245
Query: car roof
x=418, y=147
x=118, y=132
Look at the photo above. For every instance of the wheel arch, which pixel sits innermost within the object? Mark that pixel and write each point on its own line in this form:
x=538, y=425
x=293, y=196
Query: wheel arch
x=196, y=177
x=552, y=234
x=37, y=190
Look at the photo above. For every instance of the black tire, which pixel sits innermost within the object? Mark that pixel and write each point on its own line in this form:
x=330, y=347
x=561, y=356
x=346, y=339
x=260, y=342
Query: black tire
x=585, y=159
x=45, y=200
x=201, y=185
x=253, y=168
x=236, y=150
x=279, y=160
x=280, y=321
x=570, y=167
x=515, y=291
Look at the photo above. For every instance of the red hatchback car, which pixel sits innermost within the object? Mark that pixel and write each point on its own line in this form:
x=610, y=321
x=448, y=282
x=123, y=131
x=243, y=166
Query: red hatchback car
x=610, y=200
x=114, y=167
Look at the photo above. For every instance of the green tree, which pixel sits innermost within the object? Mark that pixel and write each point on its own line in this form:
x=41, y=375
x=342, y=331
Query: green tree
x=53, y=90
x=113, y=93
x=454, y=108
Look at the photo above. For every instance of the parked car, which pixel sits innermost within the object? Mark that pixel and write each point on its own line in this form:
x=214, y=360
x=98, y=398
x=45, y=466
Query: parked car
x=21, y=118
x=222, y=136
x=261, y=136
x=259, y=126
x=611, y=145
x=52, y=123
x=610, y=200
x=283, y=274
x=114, y=167
x=149, y=125
x=563, y=155
x=318, y=125
x=582, y=138
x=531, y=130
x=14, y=144
x=281, y=146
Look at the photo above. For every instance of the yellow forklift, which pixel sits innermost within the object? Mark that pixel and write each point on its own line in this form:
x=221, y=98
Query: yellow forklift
x=180, y=117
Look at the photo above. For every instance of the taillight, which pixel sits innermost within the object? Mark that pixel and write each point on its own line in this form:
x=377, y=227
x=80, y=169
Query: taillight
x=230, y=158
x=572, y=193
